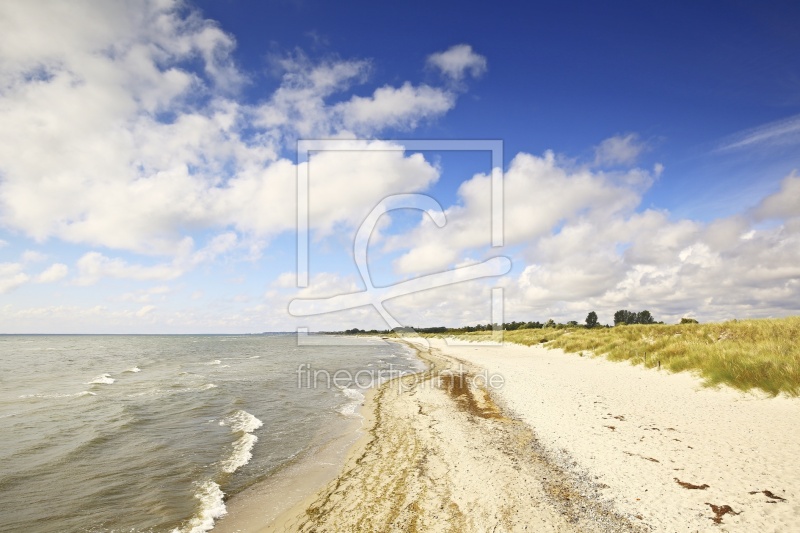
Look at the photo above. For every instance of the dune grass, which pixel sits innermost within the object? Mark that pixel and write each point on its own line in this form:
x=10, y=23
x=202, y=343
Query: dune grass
x=744, y=354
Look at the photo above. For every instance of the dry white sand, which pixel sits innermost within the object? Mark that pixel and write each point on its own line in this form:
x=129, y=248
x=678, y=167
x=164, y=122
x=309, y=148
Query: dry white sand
x=637, y=432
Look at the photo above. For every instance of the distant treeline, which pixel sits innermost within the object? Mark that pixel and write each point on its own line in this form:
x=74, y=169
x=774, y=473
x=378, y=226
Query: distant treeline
x=621, y=318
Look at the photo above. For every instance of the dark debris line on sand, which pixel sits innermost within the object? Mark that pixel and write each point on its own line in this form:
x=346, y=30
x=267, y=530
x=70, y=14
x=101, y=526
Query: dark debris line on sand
x=403, y=496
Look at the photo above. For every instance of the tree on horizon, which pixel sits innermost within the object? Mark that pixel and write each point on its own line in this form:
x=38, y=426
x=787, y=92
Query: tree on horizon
x=623, y=316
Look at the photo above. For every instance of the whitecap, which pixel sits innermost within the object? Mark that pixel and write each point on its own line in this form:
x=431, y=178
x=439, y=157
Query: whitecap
x=243, y=423
x=353, y=394
x=212, y=506
x=77, y=394
x=349, y=409
x=356, y=398
x=134, y=369
x=214, y=362
x=102, y=379
x=241, y=454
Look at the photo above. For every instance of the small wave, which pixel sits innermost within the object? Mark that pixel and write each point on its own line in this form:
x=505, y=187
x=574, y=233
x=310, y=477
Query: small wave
x=254, y=357
x=212, y=506
x=214, y=362
x=165, y=392
x=349, y=409
x=75, y=395
x=356, y=398
x=134, y=369
x=102, y=379
x=353, y=394
x=244, y=423
x=241, y=455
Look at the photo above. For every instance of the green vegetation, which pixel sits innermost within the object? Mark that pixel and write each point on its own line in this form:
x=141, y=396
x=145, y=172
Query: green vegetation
x=624, y=316
x=744, y=354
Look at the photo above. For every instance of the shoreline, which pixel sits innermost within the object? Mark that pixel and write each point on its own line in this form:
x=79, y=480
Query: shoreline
x=266, y=504
x=275, y=503
x=439, y=455
x=569, y=443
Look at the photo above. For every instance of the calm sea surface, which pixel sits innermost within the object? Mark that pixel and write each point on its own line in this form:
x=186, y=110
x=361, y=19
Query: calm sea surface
x=152, y=433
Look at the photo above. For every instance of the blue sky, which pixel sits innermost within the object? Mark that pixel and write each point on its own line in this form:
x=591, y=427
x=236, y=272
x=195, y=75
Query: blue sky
x=148, y=160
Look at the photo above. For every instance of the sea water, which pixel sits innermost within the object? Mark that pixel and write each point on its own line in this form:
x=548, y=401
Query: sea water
x=154, y=433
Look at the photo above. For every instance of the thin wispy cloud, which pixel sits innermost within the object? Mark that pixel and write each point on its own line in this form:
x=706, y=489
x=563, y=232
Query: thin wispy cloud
x=780, y=133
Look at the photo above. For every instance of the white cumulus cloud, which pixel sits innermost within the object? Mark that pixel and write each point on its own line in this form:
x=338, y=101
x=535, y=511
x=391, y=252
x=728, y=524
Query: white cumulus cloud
x=11, y=277
x=109, y=139
x=396, y=107
x=458, y=61
x=784, y=203
x=145, y=310
x=619, y=150
x=54, y=272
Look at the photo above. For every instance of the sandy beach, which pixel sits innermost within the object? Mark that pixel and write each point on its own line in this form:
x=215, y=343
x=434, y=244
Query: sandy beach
x=653, y=439
x=567, y=443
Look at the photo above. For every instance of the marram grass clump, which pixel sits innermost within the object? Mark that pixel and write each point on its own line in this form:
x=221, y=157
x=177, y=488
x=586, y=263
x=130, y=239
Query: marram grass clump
x=745, y=354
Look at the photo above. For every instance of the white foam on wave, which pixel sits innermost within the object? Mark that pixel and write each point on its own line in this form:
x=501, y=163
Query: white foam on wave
x=349, y=409
x=214, y=362
x=102, y=379
x=243, y=423
x=353, y=394
x=254, y=357
x=241, y=455
x=212, y=506
x=356, y=398
x=134, y=369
